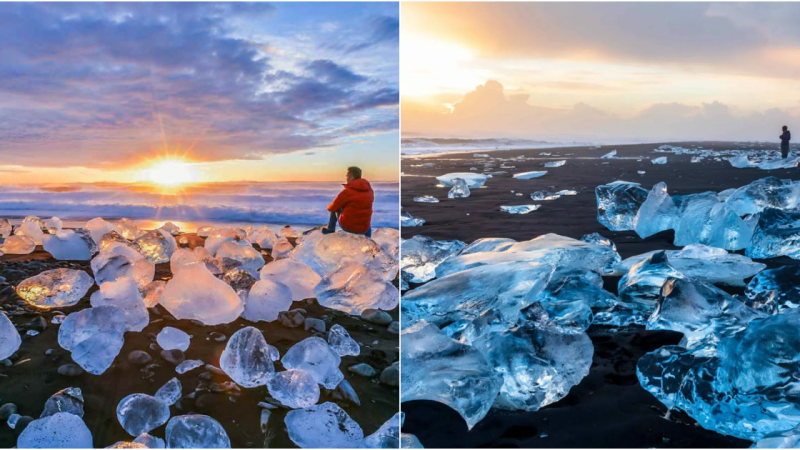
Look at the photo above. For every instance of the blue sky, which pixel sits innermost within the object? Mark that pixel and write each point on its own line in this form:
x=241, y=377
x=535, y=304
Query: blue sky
x=92, y=91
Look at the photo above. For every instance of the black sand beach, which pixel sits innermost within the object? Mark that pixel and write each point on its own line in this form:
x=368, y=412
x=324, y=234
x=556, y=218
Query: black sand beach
x=33, y=377
x=608, y=408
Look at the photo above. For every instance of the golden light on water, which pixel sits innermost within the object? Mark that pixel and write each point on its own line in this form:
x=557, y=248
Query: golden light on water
x=170, y=172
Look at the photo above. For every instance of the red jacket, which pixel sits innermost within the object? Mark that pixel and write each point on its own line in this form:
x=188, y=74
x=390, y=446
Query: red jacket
x=355, y=201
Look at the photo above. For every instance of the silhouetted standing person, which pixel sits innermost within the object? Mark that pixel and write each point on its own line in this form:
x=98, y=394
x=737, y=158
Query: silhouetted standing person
x=785, y=138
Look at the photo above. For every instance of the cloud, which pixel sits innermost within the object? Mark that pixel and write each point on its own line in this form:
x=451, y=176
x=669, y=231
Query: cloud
x=384, y=30
x=102, y=83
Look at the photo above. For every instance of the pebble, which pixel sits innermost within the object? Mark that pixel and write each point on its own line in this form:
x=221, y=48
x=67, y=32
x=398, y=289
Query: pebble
x=291, y=319
x=394, y=328
x=217, y=336
x=139, y=357
x=363, y=369
x=70, y=370
x=49, y=351
x=7, y=410
x=174, y=356
x=391, y=375
x=312, y=324
x=376, y=316
x=38, y=323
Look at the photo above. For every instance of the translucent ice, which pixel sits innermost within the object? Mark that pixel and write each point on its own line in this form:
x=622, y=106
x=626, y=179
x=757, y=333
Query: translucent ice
x=459, y=189
x=324, y=253
x=53, y=225
x=341, y=342
x=316, y=357
x=296, y=275
x=421, y=255
x=618, y=203
x=120, y=261
x=194, y=293
x=780, y=439
x=170, y=392
x=94, y=336
x=323, y=426
x=353, y=288
x=124, y=294
x=184, y=256
x=55, y=288
x=69, y=245
x=774, y=290
x=787, y=163
x=188, y=365
x=529, y=175
x=387, y=436
x=264, y=238
x=520, y=209
x=18, y=245
x=10, y=339
x=539, y=196
x=150, y=441
x=294, y=388
x=437, y=368
x=473, y=180
x=5, y=228
x=426, y=199
x=769, y=192
x=98, y=228
x=740, y=162
x=243, y=252
x=408, y=440
x=266, y=300
x=128, y=229
x=246, y=358
x=389, y=241
x=196, y=431
x=609, y=155
x=407, y=220
x=31, y=227
x=170, y=338
x=658, y=213
x=171, y=228
x=61, y=430
x=776, y=234
x=156, y=245
x=69, y=400
x=281, y=248
x=555, y=163
x=152, y=293
x=141, y=413
x=706, y=220
x=660, y=160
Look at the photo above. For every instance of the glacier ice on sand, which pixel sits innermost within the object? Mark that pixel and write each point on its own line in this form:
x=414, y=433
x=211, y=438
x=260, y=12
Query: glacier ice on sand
x=124, y=294
x=354, y=288
x=170, y=338
x=194, y=293
x=266, y=300
x=294, y=388
x=61, y=430
x=340, y=341
x=421, y=255
x=473, y=180
x=70, y=245
x=18, y=245
x=94, y=336
x=460, y=189
x=407, y=220
x=10, y=339
x=520, y=209
x=774, y=290
x=618, y=203
x=323, y=426
x=141, y=413
x=296, y=275
x=55, y=288
x=196, y=431
x=246, y=358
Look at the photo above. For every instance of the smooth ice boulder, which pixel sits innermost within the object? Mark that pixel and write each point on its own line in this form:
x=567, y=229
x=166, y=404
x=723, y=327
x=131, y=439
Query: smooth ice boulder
x=407, y=220
x=354, y=288
x=705, y=220
x=437, y=368
x=10, y=339
x=740, y=162
x=298, y=276
x=69, y=400
x=124, y=294
x=769, y=192
x=18, y=245
x=98, y=228
x=263, y=237
x=195, y=294
x=246, y=358
x=421, y=255
x=196, y=431
x=170, y=338
x=94, y=336
x=323, y=426
x=31, y=227
x=777, y=233
x=282, y=248
x=61, y=430
x=69, y=245
x=316, y=357
x=775, y=290
x=266, y=300
x=55, y=288
x=460, y=189
x=618, y=203
x=389, y=241
x=141, y=413
x=120, y=261
x=294, y=388
x=387, y=436
x=170, y=392
x=243, y=252
x=473, y=180
x=184, y=257
x=539, y=363
x=658, y=213
x=530, y=175
x=341, y=342
x=156, y=245
x=324, y=253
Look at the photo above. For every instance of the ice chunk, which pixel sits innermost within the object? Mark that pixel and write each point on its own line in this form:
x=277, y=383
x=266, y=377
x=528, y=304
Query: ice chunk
x=440, y=369
x=266, y=300
x=529, y=175
x=421, y=255
x=324, y=253
x=171, y=228
x=296, y=275
x=10, y=339
x=609, y=155
x=408, y=440
x=389, y=241
x=18, y=245
x=55, y=288
x=407, y=220
x=323, y=426
x=387, y=436
x=660, y=160
x=141, y=413
x=289, y=232
x=124, y=294
x=353, y=288
x=341, y=342
x=152, y=293
x=316, y=357
x=246, y=358
x=596, y=238
x=776, y=234
x=112, y=238
x=94, y=336
x=642, y=284
x=119, y=261
x=466, y=294
x=184, y=256
x=569, y=286
x=5, y=228
x=473, y=180
x=243, y=252
x=520, y=209
x=170, y=338
x=426, y=199
x=539, y=196
x=555, y=163
x=171, y=392
x=156, y=245
x=618, y=203
x=31, y=227
x=98, y=228
x=53, y=225
x=69, y=400
x=281, y=248
x=129, y=230
x=767, y=192
x=539, y=363
x=61, y=430
x=658, y=213
x=294, y=388
x=788, y=163
x=780, y=439
x=459, y=189
x=188, y=365
x=774, y=290
x=567, y=192
x=194, y=293
x=264, y=238
x=706, y=220
x=150, y=441
x=196, y=431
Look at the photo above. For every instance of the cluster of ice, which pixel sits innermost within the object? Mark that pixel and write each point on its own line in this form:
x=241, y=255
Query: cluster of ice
x=738, y=158
x=55, y=288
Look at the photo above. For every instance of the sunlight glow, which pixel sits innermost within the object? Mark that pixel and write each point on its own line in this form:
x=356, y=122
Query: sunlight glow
x=170, y=172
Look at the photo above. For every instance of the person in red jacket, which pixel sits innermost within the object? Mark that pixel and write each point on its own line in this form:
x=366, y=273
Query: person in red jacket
x=352, y=208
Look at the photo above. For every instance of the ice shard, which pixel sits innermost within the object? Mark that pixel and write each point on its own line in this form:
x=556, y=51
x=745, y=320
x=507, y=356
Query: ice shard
x=156, y=245
x=776, y=234
x=341, y=342
x=618, y=203
x=486, y=245
x=775, y=290
x=31, y=227
x=769, y=192
x=520, y=209
x=55, y=288
x=529, y=175
x=658, y=213
x=706, y=220
x=69, y=400
x=426, y=199
x=421, y=255
x=243, y=252
x=170, y=392
x=555, y=163
x=387, y=436
x=407, y=220
x=10, y=339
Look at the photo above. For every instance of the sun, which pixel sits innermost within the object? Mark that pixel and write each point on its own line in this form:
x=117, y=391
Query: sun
x=170, y=172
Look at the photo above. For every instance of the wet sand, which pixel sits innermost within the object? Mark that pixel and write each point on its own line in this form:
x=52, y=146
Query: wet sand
x=33, y=378
x=608, y=408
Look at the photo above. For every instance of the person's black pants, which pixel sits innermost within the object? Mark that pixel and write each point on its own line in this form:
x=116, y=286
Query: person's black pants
x=785, y=151
x=335, y=218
